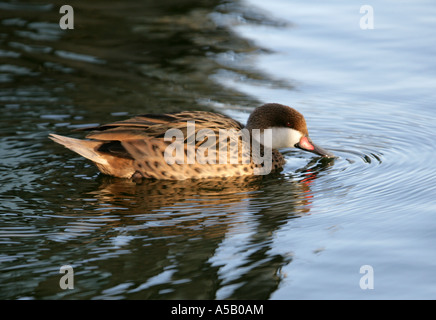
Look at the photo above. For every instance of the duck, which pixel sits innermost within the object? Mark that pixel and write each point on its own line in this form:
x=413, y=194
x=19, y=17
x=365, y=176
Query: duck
x=194, y=144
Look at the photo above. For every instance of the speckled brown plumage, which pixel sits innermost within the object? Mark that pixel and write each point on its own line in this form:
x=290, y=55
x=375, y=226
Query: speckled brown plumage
x=135, y=148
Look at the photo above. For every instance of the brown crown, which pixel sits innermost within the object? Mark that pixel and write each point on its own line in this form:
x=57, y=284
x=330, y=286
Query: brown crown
x=276, y=115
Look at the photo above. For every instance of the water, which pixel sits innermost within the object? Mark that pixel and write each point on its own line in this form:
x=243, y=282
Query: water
x=304, y=233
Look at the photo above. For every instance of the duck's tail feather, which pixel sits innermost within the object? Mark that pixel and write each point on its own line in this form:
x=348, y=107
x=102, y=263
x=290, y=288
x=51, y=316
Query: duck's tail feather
x=85, y=148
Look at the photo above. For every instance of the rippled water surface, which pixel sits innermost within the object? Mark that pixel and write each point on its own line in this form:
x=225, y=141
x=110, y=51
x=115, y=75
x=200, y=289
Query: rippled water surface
x=367, y=95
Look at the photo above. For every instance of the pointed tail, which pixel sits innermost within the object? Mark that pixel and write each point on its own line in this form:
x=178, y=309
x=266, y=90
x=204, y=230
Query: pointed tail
x=85, y=148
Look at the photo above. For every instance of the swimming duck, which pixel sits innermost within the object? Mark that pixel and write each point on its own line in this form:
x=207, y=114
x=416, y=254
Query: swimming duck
x=144, y=146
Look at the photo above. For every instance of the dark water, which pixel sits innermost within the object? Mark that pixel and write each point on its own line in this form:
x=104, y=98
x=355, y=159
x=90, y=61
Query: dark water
x=368, y=95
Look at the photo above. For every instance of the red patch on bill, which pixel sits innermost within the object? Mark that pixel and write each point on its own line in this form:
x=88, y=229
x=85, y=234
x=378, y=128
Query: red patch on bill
x=305, y=144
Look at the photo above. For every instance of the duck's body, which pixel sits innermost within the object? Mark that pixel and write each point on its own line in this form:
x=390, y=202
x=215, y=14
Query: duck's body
x=142, y=147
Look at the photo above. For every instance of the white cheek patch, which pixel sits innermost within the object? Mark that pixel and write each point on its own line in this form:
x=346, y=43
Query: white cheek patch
x=285, y=137
x=276, y=138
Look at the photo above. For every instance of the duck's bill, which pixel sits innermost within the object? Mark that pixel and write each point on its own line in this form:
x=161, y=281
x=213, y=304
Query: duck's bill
x=307, y=145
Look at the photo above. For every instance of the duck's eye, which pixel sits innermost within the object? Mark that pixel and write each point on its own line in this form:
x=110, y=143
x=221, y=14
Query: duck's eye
x=288, y=124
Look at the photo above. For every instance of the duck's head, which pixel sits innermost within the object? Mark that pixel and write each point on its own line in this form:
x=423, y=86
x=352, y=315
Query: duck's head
x=288, y=127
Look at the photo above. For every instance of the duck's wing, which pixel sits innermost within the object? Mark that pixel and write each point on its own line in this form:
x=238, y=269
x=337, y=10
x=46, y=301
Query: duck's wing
x=156, y=125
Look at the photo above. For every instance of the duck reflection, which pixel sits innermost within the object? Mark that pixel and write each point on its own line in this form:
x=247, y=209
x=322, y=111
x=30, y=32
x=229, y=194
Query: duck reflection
x=209, y=239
